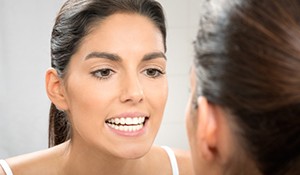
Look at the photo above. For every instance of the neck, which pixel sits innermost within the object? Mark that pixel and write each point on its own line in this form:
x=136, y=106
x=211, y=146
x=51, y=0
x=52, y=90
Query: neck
x=79, y=159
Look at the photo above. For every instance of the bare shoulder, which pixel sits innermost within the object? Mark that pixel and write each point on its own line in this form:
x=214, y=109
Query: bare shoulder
x=183, y=158
x=1, y=171
x=27, y=163
x=184, y=161
x=157, y=161
x=34, y=163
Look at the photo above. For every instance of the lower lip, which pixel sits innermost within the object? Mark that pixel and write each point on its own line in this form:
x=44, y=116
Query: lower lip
x=131, y=133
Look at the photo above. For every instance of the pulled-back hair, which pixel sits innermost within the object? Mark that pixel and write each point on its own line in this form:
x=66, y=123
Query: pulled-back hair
x=248, y=62
x=74, y=21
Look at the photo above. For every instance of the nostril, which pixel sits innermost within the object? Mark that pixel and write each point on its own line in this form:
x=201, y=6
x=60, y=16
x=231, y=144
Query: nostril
x=133, y=96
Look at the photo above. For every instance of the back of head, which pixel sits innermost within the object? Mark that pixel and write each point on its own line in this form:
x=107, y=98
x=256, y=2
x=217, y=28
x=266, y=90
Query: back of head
x=248, y=62
x=74, y=22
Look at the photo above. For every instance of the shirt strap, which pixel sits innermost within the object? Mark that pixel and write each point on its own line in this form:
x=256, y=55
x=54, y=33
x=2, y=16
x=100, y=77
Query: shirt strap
x=173, y=160
x=5, y=167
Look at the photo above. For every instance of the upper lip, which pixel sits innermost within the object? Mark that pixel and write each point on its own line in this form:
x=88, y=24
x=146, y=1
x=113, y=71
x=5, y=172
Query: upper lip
x=129, y=115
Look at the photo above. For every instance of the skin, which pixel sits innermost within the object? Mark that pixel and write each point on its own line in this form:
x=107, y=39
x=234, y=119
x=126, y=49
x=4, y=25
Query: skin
x=137, y=87
x=117, y=72
x=191, y=119
x=210, y=134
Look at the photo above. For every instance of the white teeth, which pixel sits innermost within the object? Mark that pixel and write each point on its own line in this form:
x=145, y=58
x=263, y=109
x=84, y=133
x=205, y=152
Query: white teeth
x=127, y=121
x=141, y=119
x=127, y=124
x=131, y=128
x=117, y=121
x=122, y=121
x=135, y=120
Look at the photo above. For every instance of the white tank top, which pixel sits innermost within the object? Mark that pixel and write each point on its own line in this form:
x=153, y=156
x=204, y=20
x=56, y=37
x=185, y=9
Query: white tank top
x=173, y=160
x=5, y=167
x=169, y=151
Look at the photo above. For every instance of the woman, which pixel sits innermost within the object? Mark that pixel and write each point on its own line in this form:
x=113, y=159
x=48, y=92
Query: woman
x=108, y=90
x=243, y=116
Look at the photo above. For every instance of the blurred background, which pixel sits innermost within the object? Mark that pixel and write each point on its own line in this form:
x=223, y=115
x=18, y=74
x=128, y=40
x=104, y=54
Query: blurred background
x=25, y=28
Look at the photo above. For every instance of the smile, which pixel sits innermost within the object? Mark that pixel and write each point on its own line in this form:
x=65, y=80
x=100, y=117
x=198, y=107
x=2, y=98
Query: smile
x=127, y=124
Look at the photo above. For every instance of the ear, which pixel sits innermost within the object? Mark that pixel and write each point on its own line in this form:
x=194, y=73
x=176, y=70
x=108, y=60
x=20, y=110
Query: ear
x=55, y=89
x=207, y=129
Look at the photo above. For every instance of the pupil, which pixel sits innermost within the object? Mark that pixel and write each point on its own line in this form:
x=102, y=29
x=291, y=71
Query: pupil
x=151, y=72
x=105, y=72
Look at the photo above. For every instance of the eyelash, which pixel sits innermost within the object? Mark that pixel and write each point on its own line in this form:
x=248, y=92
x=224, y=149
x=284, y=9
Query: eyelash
x=158, y=72
x=99, y=73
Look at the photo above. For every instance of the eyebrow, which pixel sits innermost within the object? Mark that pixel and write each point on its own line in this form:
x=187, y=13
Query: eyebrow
x=109, y=56
x=154, y=55
x=115, y=57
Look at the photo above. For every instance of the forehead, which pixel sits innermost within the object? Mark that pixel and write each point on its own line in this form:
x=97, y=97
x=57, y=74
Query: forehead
x=123, y=31
x=123, y=25
x=126, y=20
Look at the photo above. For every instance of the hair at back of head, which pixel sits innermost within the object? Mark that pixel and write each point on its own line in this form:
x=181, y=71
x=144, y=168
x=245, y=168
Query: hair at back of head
x=248, y=62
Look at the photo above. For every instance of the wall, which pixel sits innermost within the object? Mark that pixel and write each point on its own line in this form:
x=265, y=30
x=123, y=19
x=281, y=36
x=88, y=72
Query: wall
x=182, y=20
x=25, y=55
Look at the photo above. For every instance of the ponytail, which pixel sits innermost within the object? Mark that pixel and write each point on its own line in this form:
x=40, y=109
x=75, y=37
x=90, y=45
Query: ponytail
x=59, y=127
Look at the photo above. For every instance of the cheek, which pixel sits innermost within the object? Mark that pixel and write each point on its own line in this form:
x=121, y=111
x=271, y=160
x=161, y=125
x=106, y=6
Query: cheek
x=157, y=94
x=191, y=122
x=188, y=119
x=90, y=100
x=89, y=105
x=87, y=98
x=191, y=137
x=188, y=109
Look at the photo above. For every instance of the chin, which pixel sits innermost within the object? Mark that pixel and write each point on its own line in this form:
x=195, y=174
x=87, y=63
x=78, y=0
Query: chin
x=134, y=151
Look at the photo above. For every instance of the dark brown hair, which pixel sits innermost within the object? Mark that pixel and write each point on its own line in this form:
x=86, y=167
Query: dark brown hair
x=248, y=62
x=73, y=23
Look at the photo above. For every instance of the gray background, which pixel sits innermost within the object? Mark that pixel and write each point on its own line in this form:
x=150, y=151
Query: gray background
x=25, y=28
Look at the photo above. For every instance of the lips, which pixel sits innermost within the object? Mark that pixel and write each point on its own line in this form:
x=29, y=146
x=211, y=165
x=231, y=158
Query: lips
x=127, y=124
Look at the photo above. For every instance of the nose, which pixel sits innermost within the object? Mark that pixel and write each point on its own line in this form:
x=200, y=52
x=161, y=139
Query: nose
x=132, y=90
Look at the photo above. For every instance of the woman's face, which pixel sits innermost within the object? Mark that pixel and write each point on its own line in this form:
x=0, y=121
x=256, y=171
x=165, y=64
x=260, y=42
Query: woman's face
x=116, y=87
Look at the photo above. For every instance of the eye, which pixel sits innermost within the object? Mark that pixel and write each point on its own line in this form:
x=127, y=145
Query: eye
x=153, y=73
x=103, y=73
